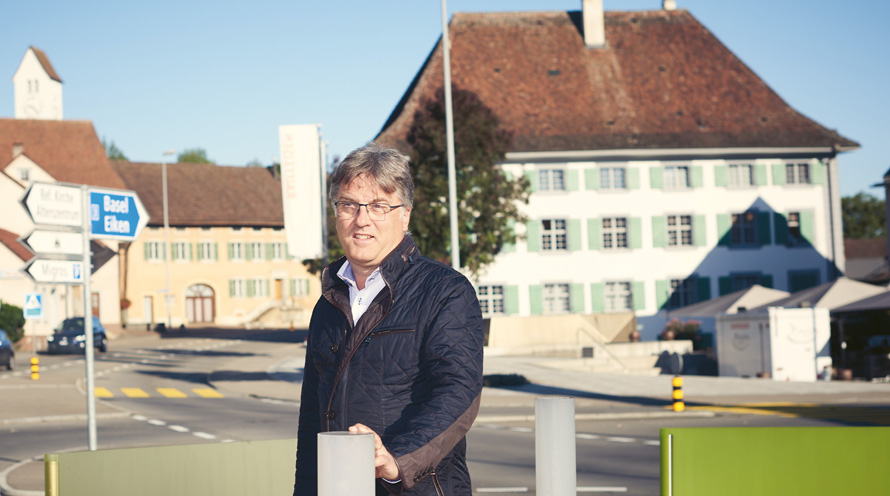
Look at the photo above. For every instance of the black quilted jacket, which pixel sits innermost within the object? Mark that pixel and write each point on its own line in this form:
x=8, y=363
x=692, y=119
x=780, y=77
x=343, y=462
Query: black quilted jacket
x=410, y=369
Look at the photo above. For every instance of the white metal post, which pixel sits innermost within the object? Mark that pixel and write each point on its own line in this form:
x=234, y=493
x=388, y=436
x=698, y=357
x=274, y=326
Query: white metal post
x=167, y=247
x=555, y=464
x=449, y=137
x=345, y=464
x=88, y=323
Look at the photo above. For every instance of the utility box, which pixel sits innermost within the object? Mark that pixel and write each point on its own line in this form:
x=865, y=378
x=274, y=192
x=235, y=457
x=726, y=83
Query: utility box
x=787, y=344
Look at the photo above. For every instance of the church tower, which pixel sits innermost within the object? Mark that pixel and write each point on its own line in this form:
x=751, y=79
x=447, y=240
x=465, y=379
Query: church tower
x=38, y=89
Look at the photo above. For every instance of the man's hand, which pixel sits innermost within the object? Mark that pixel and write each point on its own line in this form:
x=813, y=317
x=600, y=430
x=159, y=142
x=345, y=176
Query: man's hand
x=384, y=463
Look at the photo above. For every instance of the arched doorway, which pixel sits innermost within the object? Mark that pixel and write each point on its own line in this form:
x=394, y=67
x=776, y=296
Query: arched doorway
x=199, y=304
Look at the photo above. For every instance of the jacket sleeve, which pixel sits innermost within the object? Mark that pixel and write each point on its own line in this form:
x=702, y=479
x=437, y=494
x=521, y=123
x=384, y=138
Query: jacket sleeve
x=306, y=477
x=451, y=364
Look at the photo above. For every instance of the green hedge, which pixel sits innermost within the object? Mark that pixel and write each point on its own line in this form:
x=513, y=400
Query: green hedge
x=12, y=320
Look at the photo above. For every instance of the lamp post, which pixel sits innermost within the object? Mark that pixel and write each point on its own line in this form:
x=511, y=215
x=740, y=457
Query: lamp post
x=167, y=247
x=449, y=139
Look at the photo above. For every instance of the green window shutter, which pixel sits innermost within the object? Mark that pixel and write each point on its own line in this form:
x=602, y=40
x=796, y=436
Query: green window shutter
x=200, y=253
x=231, y=288
x=532, y=177
x=577, y=298
x=248, y=251
x=763, y=228
x=817, y=172
x=702, y=289
x=574, y=234
x=533, y=235
x=231, y=250
x=781, y=228
x=662, y=293
x=635, y=233
x=766, y=280
x=511, y=300
x=699, y=232
x=269, y=250
x=725, y=284
x=146, y=250
x=760, y=175
x=251, y=287
x=511, y=228
x=656, y=178
x=696, y=179
x=592, y=178
x=536, y=299
x=724, y=224
x=639, y=295
x=658, y=231
x=721, y=180
x=191, y=251
x=597, y=297
x=164, y=250
x=571, y=179
x=215, y=250
x=507, y=175
x=293, y=287
x=306, y=286
x=594, y=234
x=808, y=226
x=266, y=285
x=173, y=253
x=778, y=174
x=633, y=177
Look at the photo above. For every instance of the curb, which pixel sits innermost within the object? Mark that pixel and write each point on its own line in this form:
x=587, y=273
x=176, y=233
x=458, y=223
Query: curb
x=599, y=416
x=61, y=418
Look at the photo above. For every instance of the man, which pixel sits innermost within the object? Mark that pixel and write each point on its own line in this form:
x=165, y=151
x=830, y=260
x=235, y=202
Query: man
x=395, y=341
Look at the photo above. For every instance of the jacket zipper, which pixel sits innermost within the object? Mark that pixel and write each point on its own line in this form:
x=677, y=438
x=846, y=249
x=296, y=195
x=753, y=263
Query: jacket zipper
x=438, y=486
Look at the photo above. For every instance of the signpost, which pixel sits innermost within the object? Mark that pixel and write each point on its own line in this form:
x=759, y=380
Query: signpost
x=62, y=245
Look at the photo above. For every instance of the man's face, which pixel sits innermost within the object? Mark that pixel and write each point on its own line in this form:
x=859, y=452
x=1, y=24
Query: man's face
x=367, y=242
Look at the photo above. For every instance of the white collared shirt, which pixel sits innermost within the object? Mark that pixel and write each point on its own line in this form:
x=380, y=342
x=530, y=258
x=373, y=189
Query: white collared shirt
x=360, y=299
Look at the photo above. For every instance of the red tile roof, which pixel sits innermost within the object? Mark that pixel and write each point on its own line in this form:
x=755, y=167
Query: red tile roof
x=663, y=81
x=44, y=61
x=206, y=194
x=865, y=248
x=11, y=241
x=69, y=151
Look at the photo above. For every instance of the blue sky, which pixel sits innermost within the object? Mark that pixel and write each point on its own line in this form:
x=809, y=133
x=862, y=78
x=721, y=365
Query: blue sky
x=224, y=75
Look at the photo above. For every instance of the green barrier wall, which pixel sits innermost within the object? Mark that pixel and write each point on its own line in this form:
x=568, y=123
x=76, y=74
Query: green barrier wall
x=767, y=461
x=220, y=469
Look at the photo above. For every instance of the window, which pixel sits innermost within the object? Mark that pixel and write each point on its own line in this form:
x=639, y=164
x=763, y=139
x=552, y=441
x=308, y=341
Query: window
x=676, y=177
x=744, y=281
x=299, y=287
x=741, y=175
x=679, y=230
x=491, y=299
x=154, y=251
x=744, y=228
x=615, y=232
x=613, y=178
x=551, y=180
x=557, y=298
x=236, y=228
x=25, y=174
x=618, y=297
x=256, y=251
x=554, y=235
x=682, y=292
x=277, y=251
x=260, y=287
x=797, y=173
x=205, y=251
x=795, y=236
x=238, y=288
x=180, y=250
x=257, y=229
x=236, y=251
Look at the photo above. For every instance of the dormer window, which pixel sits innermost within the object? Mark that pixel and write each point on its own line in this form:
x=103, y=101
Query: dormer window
x=25, y=174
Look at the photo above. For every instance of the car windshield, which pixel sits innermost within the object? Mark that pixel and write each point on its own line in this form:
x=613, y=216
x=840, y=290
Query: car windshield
x=71, y=326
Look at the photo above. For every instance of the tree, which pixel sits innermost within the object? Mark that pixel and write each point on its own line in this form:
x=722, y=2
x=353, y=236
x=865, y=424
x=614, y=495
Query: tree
x=255, y=163
x=488, y=200
x=864, y=216
x=194, y=156
x=113, y=152
x=12, y=320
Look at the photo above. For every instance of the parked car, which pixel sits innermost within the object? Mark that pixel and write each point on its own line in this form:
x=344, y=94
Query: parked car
x=7, y=354
x=69, y=337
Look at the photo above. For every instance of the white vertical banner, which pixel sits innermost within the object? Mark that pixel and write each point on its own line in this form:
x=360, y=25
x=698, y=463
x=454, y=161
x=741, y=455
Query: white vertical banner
x=301, y=193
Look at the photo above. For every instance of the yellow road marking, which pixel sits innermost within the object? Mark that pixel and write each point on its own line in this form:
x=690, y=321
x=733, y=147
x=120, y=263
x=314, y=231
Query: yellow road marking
x=102, y=392
x=172, y=393
x=135, y=393
x=207, y=393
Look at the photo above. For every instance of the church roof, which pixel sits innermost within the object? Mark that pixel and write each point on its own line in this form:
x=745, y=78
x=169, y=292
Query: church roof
x=69, y=151
x=44, y=61
x=663, y=81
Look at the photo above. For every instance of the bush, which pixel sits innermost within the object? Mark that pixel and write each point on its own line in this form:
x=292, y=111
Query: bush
x=12, y=320
x=677, y=329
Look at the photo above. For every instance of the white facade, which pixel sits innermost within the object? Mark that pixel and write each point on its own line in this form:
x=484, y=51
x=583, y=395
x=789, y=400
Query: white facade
x=718, y=224
x=37, y=94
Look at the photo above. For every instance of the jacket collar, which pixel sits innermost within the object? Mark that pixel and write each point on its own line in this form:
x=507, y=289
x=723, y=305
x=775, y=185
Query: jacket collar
x=392, y=267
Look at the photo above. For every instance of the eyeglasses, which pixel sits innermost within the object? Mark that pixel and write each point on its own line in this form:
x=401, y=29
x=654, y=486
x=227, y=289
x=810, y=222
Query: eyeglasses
x=376, y=211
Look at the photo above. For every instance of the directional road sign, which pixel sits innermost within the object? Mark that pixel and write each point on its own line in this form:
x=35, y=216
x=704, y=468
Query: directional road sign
x=44, y=242
x=33, y=308
x=54, y=204
x=116, y=214
x=56, y=271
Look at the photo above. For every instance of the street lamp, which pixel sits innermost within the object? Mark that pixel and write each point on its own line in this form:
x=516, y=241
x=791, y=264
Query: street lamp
x=166, y=232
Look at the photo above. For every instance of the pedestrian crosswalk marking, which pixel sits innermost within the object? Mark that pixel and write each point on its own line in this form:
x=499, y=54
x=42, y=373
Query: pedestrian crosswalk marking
x=135, y=393
x=102, y=392
x=172, y=393
x=207, y=393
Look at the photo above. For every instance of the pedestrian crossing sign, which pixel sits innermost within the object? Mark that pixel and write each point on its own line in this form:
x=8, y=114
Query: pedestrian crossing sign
x=33, y=305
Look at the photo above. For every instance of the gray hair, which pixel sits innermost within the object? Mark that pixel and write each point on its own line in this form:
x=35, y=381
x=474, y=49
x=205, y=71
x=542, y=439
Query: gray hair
x=386, y=165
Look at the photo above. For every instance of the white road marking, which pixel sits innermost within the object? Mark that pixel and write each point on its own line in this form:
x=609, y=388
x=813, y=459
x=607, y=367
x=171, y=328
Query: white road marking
x=141, y=418
x=652, y=443
x=157, y=422
x=501, y=489
x=587, y=436
x=203, y=435
x=178, y=428
x=593, y=489
x=521, y=429
x=621, y=439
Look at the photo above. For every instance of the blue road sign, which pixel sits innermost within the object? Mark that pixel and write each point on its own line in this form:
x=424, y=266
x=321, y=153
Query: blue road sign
x=33, y=308
x=116, y=214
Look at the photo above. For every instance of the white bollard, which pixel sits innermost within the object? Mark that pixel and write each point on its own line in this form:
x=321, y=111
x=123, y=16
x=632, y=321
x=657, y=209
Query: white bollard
x=345, y=464
x=555, y=466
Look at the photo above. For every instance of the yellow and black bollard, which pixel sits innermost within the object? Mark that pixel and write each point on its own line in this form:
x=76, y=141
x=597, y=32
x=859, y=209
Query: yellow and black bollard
x=35, y=368
x=679, y=406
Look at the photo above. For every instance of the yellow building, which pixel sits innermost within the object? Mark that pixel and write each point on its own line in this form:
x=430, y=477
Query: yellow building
x=225, y=250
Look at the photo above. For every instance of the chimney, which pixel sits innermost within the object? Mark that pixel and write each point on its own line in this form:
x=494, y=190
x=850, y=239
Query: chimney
x=669, y=4
x=594, y=30
x=17, y=149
